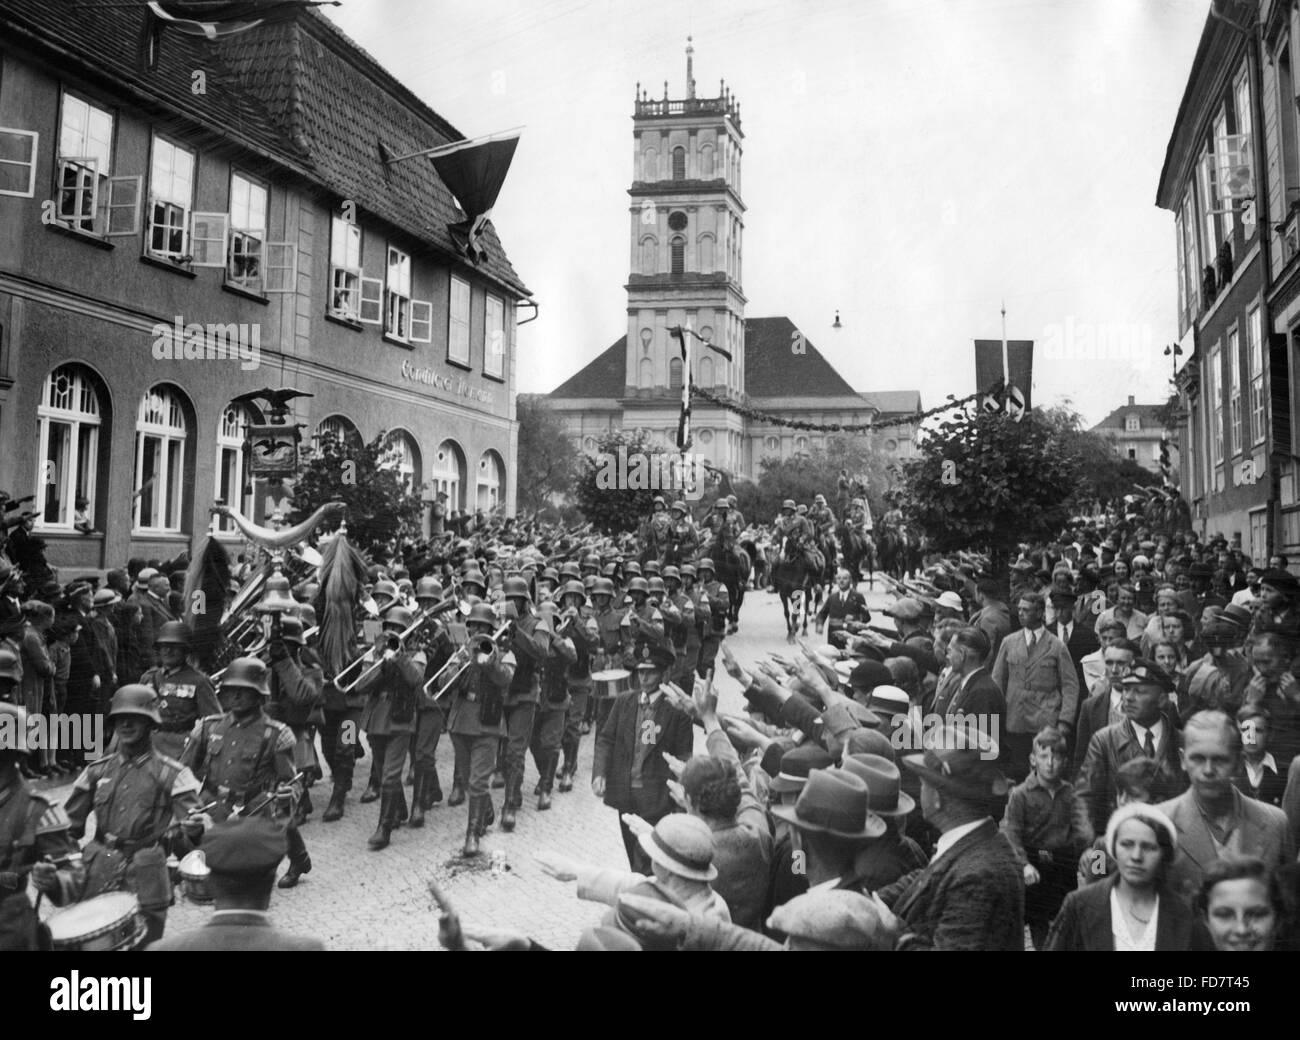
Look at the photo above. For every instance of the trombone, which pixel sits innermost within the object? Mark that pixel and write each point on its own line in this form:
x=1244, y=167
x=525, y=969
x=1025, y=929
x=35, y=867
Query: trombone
x=480, y=644
x=422, y=619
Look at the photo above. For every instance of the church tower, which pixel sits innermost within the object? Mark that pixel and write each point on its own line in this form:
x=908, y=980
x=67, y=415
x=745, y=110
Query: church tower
x=687, y=224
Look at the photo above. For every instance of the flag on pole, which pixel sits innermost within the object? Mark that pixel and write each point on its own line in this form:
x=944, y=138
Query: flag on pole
x=474, y=172
x=1015, y=403
x=992, y=404
x=683, y=337
x=1020, y=368
x=988, y=364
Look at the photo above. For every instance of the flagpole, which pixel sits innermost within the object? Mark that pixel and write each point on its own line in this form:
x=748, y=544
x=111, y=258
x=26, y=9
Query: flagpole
x=1006, y=359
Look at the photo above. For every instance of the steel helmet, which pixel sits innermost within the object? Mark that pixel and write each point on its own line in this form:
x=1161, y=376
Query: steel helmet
x=671, y=573
x=549, y=574
x=788, y=504
x=515, y=587
x=638, y=585
x=659, y=501
x=428, y=587
x=474, y=578
x=678, y=506
x=722, y=503
x=570, y=570
x=802, y=509
x=137, y=699
x=589, y=582
x=291, y=631
x=651, y=567
x=591, y=560
x=573, y=588
x=385, y=588
x=656, y=584
x=705, y=564
x=9, y=666
x=632, y=567
x=688, y=571
x=175, y=633
x=249, y=673
x=483, y=614
x=398, y=616
x=603, y=587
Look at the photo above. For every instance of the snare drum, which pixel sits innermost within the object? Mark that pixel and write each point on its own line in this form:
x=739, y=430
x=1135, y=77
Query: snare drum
x=109, y=922
x=196, y=877
x=611, y=682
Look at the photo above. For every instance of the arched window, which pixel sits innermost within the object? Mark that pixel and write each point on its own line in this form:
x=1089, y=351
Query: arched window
x=448, y=474
x=706, y=333
x=706, y=162
x=402, y=454
x=234, y=486
x=647, y=373
x=589, y=444
x=772, y=444
x=801, y=445
x=706, y=371
x=706, y=252
x=679, y=163
x=161, y=433
x=650, y=165
x=343, y=430
x=678, y=254
x=706, y=436
x=491, y=481
x=68, y=420
x=675, y=374
x=647, y=337
x=649, y=255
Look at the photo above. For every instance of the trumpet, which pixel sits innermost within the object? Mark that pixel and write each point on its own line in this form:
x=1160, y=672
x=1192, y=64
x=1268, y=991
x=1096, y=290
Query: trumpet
x=423, y=619
x=479, y=644
x=261, y=651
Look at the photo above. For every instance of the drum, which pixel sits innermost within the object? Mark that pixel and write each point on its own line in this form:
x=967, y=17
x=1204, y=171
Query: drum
x=195, y=877
x=109, y=922
x=611, y=682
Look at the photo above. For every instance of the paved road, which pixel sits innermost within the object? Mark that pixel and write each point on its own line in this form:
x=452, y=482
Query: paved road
x=363, y=900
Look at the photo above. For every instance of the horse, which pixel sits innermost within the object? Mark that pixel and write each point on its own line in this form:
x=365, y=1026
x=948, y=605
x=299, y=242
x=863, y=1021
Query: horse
x=897, y=551
x=858, y=548
x=758, y=562
x=732, y=568
x=794, y=579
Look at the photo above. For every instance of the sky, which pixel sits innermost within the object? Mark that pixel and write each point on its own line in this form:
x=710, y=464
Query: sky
x=913, y=164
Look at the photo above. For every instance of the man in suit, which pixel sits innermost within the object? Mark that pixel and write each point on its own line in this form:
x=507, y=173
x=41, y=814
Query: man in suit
x=628, y=768
x=1079, y=638
x=1037, y=677
x=1213, y=818
x=243, y=855
x=972, y=690
x=150, y=595
x=1105, y=707
x=971, y=895
x=845, y=603
x=1146, y=732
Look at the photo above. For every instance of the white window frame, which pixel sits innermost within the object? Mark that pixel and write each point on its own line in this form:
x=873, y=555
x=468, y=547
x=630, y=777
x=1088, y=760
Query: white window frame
x=34, y=142
x=1234, y=389
x=494, y=337
x=490, y=488
x=78, y=418
x=397, y=295
x=1255, y=349
x=1216, y=402
x=399, y=449
x=84, y=150
x=459, y=299
x=1205, y=183
x=1245, y=129
x=1132, y=423
x=345, y=269
x=176, y=206
x=1192, y=264
x=168, y=488
x=230, y=444
x=280, y=268
x=446, y=476
x=1227, y=218
x=208, y=235
x=372, y=301
x=248, y=224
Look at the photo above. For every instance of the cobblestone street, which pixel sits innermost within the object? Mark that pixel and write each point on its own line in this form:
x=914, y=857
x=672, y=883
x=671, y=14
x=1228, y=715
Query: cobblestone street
x=356, y=899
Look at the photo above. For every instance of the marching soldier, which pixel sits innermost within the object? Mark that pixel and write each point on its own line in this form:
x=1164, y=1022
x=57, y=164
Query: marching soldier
x=340, y=740
x=682, y=630
x=553, y=706
x=476, y=715
x=297, y=693
x=245, y=759
x=185, y=694
x=392, y=693
x=138, y=796
x=609, y=650
x=642, y=625
x=655, y=532
x=531, y=647
x=430, y=718
x=35, y=840
x=719, y=603
x=585, y=634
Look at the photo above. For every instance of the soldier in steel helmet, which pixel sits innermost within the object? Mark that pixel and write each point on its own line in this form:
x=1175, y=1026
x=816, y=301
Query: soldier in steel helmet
x=185, y=694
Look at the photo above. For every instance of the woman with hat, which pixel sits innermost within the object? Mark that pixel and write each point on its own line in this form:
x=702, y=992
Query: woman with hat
x=1134, y=910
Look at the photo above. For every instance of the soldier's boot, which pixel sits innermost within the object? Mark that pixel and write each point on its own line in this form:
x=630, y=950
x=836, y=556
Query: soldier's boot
x=488, y=816
x=334, y=811
x=417, y=800
x=508, y=816
x=371, y=793
x=547, y=780
x=375, y=783
x=401, y=811
x=387, y=817
x=294, y=873
x=432, y=789
x=498, y=780
x=472, y=829
x=457, y=792
x=566, y=778
x=410, y=775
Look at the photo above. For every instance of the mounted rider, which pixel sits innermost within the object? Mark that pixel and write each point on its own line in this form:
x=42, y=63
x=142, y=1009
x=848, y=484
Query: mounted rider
x=822, y=519
x=655, y=533
x=683, y=535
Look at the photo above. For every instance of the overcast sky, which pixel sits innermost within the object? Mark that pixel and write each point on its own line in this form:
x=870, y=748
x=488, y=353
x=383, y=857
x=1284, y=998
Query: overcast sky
x=911, y=163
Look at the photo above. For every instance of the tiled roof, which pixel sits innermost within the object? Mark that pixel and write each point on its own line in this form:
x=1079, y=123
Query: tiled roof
x=1148, y=415
x=893, y=402
x=771, y=370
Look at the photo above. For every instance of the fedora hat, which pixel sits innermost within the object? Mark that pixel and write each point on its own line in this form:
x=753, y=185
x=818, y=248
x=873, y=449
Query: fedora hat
x=797, y=764
x=682, y=844
x=833, y=802
x=884, y=782
x=961, y=762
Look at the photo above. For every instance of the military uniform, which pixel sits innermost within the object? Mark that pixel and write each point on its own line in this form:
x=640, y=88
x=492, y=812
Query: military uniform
x=135, y=800
x=185, y=695
x=476, y=722
x=607, y=654
x=32, y=828
x=532, y=648
x=684, y=539
x=719, y=606
x=552, y=710
x=683, y=633
x=585, y=635
x=393, y=691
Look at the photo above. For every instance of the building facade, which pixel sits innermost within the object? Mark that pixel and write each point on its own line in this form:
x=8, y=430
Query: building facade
x=686, y=220
x=1136, y=432
x=233, y=195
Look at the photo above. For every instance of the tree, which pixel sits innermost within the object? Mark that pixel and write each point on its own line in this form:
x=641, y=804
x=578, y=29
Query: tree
x=615, y=498
x=546, y=461
x=804, y=476
x=984, y=482
x=381, y=508
x=1105, y=475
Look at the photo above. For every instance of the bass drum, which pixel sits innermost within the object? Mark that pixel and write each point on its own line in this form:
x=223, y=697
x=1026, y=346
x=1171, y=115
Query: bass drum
x=109, y=922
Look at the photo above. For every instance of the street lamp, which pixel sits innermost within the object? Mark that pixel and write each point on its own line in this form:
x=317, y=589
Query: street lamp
x=1173, y=352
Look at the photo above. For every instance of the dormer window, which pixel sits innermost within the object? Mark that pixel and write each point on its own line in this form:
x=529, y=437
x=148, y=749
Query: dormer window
x=1131, y=423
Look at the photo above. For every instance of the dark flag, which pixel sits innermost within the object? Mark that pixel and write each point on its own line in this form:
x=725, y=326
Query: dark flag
x=988, y=364
x=1020, y=368
x=474, y=172
x=684, y=420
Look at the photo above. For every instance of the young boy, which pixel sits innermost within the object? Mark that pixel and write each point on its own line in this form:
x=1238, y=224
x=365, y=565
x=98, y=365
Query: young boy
x=1047, y=825
x=1134, y=781
x=1259, y=777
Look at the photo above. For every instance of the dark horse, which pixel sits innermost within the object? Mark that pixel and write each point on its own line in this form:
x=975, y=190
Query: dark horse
x=859, y=551
x=732, y=568
x=795, y=580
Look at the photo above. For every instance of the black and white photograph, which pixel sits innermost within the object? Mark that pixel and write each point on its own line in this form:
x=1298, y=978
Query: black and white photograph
x=600, y=475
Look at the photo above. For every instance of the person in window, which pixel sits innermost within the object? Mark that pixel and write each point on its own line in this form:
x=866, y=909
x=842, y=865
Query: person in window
x=438, y=523
x=81, y=519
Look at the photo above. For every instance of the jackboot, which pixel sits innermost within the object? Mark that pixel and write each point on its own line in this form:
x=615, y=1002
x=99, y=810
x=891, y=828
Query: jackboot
x=457, y=792
x=334, y=811
x=546, y=781
x=432, y=789
x=566, y=780
x=294, y=873
x=401, y=811
x=417, y=801
x=472, y=829
x=508, y=816
x=371, y=793
x=487, y=815
x=498, y=780
x=384, y=829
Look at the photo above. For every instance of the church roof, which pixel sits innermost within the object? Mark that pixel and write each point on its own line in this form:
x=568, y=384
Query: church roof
x=771, y=369
x=893, y=402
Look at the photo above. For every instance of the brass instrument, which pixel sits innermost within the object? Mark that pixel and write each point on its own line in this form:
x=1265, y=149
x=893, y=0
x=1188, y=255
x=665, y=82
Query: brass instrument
x=423, y=619
x=478, y=644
